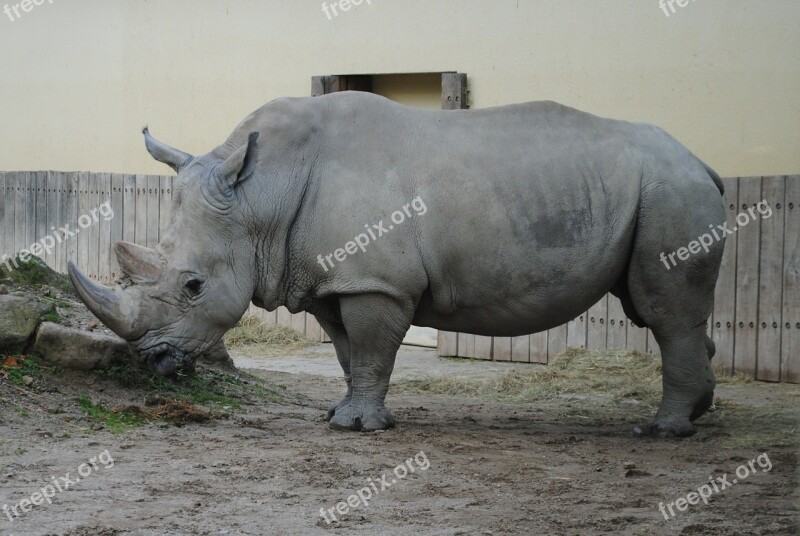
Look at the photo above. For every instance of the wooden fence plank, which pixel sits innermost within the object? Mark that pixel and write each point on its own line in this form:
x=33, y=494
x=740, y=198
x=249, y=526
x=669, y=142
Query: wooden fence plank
x=9, y=201
x=4, y=224
x=94, y=227
x=502, y=348
x=129, y=209
x=597, y=331
x=770, y=278
x=71, y=218
x=284, y=317
x=21, y=201
x=82, y=235
x=637, y=338
x=483, y=347
x=104, y=254
x=41, y=215
x=556, y=342
x=141, y=209
x=165, y=205
x=30, y=210
x=576, y=332
x=448, y=343
x=538, y=347
x=747, y=262
x=299, y=322
x=520, y=349
x=313, y=329
x=153, y=216
x=51, y=219
x=466, y=345
x=724, y=317
x=117, y=222
x=617, y=322
x=790, y=338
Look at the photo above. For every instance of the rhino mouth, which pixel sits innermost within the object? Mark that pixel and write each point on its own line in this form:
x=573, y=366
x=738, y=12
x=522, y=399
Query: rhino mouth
x=165, y=359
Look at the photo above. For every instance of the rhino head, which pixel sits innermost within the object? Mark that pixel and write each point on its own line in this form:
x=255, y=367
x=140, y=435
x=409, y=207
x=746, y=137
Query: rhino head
x=177, y=300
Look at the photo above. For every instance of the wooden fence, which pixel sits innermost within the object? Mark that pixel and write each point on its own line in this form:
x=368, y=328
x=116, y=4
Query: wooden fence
x=755, y=324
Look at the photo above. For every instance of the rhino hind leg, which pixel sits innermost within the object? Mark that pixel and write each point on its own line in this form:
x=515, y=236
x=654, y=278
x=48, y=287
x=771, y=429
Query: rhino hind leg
x=375, y=326
x=341, y=344
x=675, y=300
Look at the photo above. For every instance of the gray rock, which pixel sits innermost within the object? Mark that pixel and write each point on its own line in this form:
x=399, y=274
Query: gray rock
x=19, y=318
x=3, y=289
x=218, y=355
x=81, y=350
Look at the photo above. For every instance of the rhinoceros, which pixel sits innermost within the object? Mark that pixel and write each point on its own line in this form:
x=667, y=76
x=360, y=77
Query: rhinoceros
x=532, y=213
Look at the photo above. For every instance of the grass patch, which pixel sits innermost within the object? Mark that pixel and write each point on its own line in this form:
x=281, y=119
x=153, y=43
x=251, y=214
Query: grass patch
x=115, y=420
x=252, y=331
x=53, y=317
x=16, y=368
x=215, y=389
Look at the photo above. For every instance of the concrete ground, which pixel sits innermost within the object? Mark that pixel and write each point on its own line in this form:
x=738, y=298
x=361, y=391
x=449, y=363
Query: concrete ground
x=413, y=362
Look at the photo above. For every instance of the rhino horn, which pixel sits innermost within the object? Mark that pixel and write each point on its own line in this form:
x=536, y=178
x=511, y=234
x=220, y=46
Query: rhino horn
x=140, y=264
x=164, y=153
x=112, y=307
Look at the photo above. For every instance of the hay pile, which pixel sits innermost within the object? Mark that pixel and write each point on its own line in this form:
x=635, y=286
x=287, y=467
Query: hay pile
x=253, y=334
x=617, y=374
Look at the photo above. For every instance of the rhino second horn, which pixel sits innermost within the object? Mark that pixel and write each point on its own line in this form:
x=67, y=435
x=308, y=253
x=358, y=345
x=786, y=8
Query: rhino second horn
x=110, y=306
x=140, y=264
x=164, y=153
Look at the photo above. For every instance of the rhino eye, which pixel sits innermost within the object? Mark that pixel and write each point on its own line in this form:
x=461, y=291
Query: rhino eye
x=194, y=286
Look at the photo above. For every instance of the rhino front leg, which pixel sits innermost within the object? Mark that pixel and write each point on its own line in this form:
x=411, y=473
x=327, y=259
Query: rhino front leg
x=342, y=346
x=375, y=327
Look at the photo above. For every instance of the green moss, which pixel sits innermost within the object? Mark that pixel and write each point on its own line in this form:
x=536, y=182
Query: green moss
x=207, y=387
x=53, y=317
x=26, y=365
x=34, y=273
x=115, y=421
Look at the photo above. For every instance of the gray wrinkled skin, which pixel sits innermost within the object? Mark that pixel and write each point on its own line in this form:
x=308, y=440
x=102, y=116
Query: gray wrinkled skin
x=534, y=212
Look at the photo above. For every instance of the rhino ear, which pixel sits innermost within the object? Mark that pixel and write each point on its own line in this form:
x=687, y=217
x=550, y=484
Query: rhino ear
x=239, y=166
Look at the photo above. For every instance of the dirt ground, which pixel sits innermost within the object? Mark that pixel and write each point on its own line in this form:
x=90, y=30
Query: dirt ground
x=566, y=464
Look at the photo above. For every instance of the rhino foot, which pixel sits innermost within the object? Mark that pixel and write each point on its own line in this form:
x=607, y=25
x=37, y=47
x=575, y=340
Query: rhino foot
x=665, y=428
x=361, y=418
x=333, y=409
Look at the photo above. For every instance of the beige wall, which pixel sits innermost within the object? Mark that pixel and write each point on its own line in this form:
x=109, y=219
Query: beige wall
x=79, y=78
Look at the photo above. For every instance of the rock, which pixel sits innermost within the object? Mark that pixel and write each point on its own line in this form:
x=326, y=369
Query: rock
x=77, y=349
x=92, y=325
x=27, y=380
x=629, y=465
x=635, y=473
x=19, y=318
x=218, y=355
x=3, y=290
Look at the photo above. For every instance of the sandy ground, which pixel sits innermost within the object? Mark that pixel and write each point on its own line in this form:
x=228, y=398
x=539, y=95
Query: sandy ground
x=563, y=466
